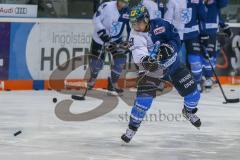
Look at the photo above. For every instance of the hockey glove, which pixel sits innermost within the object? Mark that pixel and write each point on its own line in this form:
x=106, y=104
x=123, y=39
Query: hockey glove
x=103, y=35
x=111, y=47
x=227, y=31
x=124, y=45
x=150, y=64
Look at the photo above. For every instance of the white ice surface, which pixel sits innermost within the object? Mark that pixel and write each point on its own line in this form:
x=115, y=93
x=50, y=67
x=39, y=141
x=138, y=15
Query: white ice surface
x=45, y=137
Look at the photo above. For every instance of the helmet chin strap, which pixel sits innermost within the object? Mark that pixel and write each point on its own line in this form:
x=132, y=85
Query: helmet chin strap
x=147, y=29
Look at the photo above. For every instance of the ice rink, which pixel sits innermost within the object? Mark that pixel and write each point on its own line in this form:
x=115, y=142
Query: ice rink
x=164, y=135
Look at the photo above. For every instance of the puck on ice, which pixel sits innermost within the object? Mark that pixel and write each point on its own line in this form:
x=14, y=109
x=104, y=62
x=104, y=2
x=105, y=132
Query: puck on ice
x=54, y=100
x=17, y=133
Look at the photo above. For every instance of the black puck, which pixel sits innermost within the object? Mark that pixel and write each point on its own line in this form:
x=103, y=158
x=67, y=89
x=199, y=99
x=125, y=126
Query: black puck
x=54, y=100
x=232, y=90
x=17, y=133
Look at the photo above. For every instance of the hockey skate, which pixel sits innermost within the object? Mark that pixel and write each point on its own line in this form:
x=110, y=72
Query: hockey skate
x=190, y=116
x=126, y=137
x=113, y=91
x=208, y=83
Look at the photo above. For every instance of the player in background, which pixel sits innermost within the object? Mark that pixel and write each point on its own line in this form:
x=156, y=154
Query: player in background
x=161, y=6
x=162, y=62
x=153, y=9
x=109, y=23
x=189, y=17
x=213, y=22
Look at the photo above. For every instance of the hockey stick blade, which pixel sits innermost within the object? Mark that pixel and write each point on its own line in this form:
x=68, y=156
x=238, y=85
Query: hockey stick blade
x=79, y=98
x=236, y=100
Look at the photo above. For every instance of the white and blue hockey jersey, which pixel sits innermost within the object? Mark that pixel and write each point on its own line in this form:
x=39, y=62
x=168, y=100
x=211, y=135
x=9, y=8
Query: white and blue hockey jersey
x=213, y=17
x=188, y=16
x=160, y=32
x=113, y=21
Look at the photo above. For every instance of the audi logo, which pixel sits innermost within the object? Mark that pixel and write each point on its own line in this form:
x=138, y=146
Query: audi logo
x=20, y=10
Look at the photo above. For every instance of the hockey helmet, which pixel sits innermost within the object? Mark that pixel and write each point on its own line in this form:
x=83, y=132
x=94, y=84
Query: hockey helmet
x=139, y=13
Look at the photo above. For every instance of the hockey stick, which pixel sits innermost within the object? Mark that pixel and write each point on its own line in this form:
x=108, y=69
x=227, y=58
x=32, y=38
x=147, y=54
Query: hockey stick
x=81, y=97
x=227, y=100
x=113, y=46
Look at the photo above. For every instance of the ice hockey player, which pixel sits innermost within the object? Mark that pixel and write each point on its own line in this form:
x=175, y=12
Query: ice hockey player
x=162, y=62
x=109, y=21
x=213, y=22
x=189, y=17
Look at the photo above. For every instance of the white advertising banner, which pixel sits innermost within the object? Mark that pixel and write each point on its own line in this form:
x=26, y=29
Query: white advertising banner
x=15, y=10
x=50, y=45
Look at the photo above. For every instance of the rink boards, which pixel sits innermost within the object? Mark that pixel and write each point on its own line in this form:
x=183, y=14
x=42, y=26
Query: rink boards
x=31, y=49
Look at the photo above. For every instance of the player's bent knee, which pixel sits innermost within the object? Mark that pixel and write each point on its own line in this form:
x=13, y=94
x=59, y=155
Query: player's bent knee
x=196, y=69
x=196, y=65
x=96, y=64
x=183, y=81
x=117, y=68
x=119, y=64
